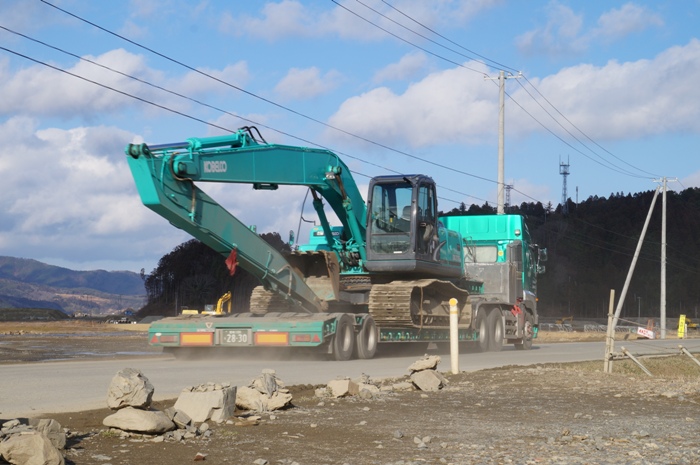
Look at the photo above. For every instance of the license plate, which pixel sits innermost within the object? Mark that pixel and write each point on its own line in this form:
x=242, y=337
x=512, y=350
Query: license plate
x=235, y=337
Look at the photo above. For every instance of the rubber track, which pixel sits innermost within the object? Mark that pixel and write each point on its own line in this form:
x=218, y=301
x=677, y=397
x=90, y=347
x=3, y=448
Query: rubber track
x=262, y=301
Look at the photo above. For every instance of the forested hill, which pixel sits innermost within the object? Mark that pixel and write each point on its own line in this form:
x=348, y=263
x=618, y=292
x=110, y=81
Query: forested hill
x=28, y=283
x=35, y=272
x=591, y=248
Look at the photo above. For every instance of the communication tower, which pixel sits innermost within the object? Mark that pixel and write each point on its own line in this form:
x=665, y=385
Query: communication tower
x=564, y=171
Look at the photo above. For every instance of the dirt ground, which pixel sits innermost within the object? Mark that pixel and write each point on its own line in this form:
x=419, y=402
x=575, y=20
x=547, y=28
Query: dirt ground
x=543, y=414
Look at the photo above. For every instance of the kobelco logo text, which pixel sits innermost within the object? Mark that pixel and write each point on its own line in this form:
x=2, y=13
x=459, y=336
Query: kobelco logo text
x=215, y=167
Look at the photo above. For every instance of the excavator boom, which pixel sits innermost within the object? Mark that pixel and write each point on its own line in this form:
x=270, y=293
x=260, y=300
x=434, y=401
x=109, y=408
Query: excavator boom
x=165, y=177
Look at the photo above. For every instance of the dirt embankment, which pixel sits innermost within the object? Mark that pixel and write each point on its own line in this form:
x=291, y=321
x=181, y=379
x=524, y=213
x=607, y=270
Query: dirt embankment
x=546, y=414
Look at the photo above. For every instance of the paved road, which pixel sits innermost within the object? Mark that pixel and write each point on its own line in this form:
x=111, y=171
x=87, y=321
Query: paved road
x=53, y=387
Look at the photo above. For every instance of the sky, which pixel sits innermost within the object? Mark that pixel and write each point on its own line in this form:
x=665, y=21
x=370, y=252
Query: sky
x=393, y=86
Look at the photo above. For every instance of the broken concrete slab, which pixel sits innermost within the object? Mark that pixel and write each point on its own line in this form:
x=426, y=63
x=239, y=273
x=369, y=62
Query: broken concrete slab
x=342, y=388
x=129, y=388
x=204, y=402
x=52, y=430
x=30, y=448
x=141, y=421
x=427, y=380
x=428, y=362
x=180, y=418
x=249, y=398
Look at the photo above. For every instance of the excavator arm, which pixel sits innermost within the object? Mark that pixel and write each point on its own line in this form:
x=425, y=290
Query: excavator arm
x=166, y=174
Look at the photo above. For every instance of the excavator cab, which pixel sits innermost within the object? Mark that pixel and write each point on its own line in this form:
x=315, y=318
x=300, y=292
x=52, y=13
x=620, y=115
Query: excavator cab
x=403, y=232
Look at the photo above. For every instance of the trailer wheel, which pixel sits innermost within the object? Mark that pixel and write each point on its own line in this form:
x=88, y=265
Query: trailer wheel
x=367, y=339
x=528, y=333
x=497, y=330
x=482, y=327
x=344, y=339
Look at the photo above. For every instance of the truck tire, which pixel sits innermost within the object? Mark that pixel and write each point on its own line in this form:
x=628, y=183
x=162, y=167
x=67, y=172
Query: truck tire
x=528, y=329
x=344, y=339
x=497, y=330
x=481, y=324
x=367, y=339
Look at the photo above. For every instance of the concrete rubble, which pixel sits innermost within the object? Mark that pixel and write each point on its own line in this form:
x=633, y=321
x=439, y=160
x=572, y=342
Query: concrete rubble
x=424, y=374
x=130, y=394
x=142, y=421
x=129, y=388
x=215, y=401
x=264, y=394
x=362, y=387
x=32, y=442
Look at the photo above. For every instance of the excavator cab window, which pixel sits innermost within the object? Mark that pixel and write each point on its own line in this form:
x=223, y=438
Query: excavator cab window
x=403, y=219
x=426, y=233
x=391, y=231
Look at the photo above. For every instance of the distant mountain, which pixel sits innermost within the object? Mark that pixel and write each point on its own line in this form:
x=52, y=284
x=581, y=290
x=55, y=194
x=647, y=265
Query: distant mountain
x=26, y=283
x=34, y=272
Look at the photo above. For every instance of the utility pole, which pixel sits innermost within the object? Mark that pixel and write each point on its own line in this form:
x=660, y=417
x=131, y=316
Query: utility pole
x=501, y=135
x=662, y=303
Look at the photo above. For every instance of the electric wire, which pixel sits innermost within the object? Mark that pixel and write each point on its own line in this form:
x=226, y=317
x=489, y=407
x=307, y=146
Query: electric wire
x=381, y=145
x=616, y=169
x=612, y=166
x=192, y=100
x=308, y=117
x=580, y=131
x=496, y=63
x=406, y=40
x=271, y=102
x=416, y=33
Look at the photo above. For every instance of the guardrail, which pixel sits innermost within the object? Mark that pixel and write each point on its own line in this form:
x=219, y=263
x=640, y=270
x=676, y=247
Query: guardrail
x=588, y=328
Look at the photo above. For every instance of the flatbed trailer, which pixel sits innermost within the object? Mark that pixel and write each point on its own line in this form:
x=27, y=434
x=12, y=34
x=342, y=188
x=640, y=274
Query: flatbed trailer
x=289, y=329
x=386, y=274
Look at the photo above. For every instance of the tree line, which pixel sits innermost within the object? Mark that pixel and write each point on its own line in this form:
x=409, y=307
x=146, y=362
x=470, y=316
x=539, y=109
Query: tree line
x=590, y=246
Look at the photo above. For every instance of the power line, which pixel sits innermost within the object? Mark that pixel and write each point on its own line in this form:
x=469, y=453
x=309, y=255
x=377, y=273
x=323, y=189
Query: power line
x=497, y=64
x=612, y=167
x=266, y=100
x=190, y=99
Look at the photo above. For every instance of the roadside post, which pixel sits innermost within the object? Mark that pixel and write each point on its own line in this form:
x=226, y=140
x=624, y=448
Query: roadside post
x=610, y=336
x=454, y=337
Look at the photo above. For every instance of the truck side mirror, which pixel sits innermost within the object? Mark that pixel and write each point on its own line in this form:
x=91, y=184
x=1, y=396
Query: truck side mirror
x=542, y=255
x=291, y=239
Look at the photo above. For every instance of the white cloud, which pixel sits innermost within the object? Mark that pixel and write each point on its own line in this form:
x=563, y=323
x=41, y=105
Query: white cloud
x=615, y=101
x=286, y=18
x=628, y=19
x=41, y=91
x=407, y=67
x=693, y=180
x=71, y=193
x=564, y=32
x=525, y=190
x=452, y=106
x=623, y=100
x=561, y=34
x=196, y=83
x=292, y=18
x=303, y=84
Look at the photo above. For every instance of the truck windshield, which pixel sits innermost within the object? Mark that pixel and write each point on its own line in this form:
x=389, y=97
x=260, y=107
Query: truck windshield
x=391, y=217
x=481, y=254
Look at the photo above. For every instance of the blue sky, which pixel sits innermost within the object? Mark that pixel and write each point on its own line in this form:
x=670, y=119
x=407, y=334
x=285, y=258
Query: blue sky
x=607, y=86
